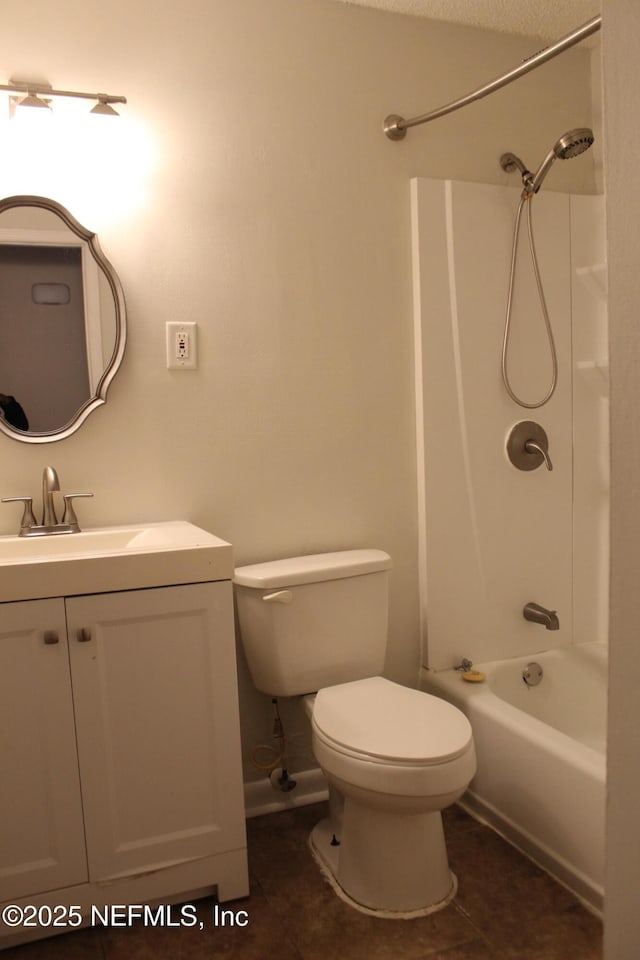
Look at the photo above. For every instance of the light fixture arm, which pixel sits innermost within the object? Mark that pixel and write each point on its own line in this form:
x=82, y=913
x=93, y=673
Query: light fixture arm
x=26, y=87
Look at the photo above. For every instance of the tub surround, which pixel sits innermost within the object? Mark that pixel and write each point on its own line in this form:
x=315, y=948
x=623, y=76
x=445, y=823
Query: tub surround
x=506, y=552
x=514, y=535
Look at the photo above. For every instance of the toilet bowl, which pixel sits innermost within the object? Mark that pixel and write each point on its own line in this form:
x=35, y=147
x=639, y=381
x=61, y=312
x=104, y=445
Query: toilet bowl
x=394, y=757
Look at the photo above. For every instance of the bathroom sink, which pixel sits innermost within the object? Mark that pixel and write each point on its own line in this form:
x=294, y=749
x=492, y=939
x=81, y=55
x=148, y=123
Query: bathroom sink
x=111, y=558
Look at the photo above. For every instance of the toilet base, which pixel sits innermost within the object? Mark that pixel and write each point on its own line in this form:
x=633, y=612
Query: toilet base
x=386, y=866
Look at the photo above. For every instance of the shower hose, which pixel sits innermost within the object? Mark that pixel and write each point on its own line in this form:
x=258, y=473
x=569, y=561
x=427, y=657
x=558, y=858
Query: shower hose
x=528, y=199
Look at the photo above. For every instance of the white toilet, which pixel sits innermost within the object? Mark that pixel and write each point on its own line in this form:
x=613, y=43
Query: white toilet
x=393, y=757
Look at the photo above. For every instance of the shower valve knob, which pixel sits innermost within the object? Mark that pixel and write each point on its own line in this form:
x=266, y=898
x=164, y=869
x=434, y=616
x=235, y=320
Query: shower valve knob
x=528, y=446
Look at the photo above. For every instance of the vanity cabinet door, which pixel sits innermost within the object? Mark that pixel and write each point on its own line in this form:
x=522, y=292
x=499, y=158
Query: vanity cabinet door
x=41, y=828
x=155, y=691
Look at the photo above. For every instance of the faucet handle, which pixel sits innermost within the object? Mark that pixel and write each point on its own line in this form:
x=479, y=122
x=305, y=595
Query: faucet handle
x=539, y=449
x=69, y=515
x=28, y=519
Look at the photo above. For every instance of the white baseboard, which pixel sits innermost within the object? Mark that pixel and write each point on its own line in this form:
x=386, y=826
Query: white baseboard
x=261, y=797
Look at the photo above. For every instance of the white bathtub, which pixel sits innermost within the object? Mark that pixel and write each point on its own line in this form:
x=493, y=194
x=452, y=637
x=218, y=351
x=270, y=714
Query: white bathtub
x=541, y=757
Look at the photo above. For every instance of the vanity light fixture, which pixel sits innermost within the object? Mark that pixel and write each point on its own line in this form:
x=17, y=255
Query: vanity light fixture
x=32, y=94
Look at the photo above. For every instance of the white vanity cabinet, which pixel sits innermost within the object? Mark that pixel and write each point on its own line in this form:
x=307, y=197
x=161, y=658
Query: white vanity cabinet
x=121, y=775
x=41, y=827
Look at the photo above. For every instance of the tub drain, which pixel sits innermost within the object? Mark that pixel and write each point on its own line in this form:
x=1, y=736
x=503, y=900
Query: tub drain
x=532, y=674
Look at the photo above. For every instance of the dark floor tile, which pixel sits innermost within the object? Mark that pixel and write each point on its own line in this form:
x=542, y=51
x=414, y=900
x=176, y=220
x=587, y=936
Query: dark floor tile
x=496, y=880
x=80, y=945
x=570, y=935
x=456, y=820
x=328, y=927
x=278, y=843
x=519, y=908
x=215, y=936
x=474, y=950
x=500, y=894
x=506, y=909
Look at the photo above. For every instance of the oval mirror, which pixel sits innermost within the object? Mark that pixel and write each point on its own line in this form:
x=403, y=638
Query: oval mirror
x=62, y=321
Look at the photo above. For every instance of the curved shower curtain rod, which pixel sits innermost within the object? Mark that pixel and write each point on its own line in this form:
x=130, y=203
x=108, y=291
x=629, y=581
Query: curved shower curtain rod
x=396, y=127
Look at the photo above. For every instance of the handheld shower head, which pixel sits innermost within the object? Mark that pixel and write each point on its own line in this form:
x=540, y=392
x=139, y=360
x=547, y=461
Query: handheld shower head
x=573, y=143
x=570, y=144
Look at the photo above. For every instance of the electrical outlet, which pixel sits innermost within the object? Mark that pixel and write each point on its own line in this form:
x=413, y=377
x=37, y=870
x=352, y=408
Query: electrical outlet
x=182, y=346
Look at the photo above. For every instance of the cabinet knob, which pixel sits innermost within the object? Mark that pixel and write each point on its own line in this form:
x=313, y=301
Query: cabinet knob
x=50, y=637
x=83, y=635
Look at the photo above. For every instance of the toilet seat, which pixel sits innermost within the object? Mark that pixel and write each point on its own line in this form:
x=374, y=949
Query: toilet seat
x=383, y=722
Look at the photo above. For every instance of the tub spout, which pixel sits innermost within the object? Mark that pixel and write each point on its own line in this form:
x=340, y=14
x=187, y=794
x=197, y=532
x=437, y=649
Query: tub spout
x=538, y=614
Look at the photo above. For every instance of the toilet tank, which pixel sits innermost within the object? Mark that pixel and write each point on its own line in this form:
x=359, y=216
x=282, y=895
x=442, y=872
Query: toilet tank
x=315, y=621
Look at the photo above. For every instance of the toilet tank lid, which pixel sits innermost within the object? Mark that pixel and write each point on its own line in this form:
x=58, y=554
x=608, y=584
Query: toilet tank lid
x=311, y=569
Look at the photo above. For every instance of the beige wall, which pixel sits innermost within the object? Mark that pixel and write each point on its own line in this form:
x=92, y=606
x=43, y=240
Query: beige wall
x=264, y=202
x=621, y=54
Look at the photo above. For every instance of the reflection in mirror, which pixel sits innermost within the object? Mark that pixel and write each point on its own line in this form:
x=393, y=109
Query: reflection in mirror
x=62, y=321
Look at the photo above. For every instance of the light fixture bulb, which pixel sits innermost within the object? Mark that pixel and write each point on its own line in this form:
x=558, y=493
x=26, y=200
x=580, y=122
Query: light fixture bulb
x=104, y=109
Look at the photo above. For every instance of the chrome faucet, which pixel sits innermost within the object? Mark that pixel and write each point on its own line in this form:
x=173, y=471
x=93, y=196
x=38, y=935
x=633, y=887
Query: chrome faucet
x=538, y=614
x=29, y=526
x=50, y=483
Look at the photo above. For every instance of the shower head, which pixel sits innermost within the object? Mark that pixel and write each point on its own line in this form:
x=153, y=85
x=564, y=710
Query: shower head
x=573, y=143
x=570, y=144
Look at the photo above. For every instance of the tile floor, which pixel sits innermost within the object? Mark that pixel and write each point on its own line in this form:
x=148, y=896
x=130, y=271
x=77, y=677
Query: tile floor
x=506, y=909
